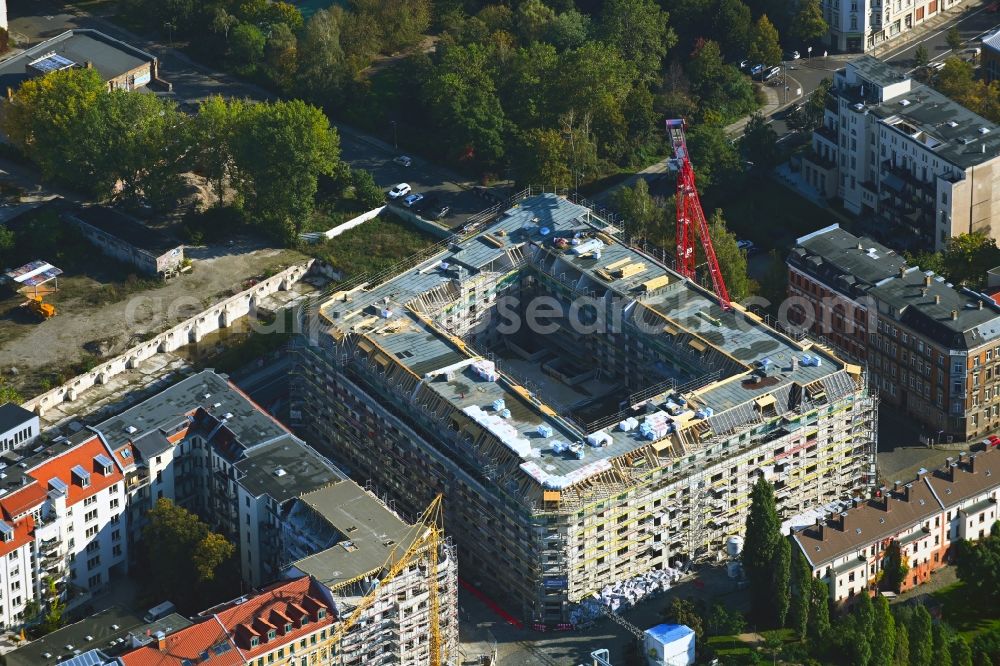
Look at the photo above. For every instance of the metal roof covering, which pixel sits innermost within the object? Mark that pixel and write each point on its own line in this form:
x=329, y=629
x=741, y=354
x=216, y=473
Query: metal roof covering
x=33, y=274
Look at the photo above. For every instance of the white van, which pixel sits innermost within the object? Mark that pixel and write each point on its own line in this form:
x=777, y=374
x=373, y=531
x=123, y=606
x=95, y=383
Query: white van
x=159, y=611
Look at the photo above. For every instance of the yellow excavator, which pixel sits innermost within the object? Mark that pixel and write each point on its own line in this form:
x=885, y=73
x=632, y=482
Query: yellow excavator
x=40, y=308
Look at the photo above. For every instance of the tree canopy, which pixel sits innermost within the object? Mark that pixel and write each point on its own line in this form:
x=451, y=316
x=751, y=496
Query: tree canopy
x=761, y=549
x=965, y=260
x=764, y=45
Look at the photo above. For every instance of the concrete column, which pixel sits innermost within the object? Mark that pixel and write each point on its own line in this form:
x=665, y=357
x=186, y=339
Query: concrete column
x=3, y=14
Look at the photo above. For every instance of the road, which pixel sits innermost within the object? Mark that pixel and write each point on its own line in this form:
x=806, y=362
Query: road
x=973, y=22
x=32, y=22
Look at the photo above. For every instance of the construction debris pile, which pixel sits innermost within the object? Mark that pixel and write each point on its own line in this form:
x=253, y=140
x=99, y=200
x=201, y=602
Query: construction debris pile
x=624, y=594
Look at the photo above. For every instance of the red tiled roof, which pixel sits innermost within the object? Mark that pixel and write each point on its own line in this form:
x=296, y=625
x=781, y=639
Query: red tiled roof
x=23, y=500
x=23, y=533
x=82, y=455
x=268, y=607
x=189, y=643
x=232, y=624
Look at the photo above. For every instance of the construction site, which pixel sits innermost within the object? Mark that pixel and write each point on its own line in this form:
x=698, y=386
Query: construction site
x=623, y=438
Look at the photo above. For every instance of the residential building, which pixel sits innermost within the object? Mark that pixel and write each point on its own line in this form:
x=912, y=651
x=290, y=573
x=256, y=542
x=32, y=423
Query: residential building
x=919, y=167
x=932, y=349
x=858, y=26
x=925, y=517
x=553, y=487
x=121, y=65
x=126, y=239
x=829, y=274
x=18, y=426
x=111, y=632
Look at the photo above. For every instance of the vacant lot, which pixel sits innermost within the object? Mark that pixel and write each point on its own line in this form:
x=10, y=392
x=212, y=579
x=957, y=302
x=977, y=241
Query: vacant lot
x=374, y=246
x=103, y=309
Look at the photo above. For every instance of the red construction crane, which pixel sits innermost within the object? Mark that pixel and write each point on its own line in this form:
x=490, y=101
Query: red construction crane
x=689, y=212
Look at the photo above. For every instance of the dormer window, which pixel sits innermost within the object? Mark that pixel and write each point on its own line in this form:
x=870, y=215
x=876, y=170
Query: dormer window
x=81, y=476
x=103, y=464
x=304, y=620
x=254, y=641
x=288, y=627
x=6, y=532
x=271, y=634
x=321, y=613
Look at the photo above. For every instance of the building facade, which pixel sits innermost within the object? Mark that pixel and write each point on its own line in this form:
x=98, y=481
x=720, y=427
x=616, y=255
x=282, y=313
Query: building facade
x=573, y=460
x=932, y=350
x=18, y=426
x=858, y=26
x=924, y=517
x=918, y=166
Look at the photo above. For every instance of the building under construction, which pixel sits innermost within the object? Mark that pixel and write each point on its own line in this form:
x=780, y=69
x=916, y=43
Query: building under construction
x=618, y=433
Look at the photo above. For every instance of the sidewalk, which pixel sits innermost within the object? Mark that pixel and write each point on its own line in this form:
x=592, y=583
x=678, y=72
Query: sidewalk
x=922, y=31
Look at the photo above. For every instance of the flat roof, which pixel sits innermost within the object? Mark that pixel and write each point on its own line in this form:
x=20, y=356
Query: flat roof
x=127, y=229
x=367, y=534
x=879, y=72
x=13, y=415
x=284, y=469
x=95, y=632
x=109, y=56
x=392, y=324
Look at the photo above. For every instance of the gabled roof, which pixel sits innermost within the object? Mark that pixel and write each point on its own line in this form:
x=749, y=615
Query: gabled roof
x=205, y=642
x=24, y=530
x=11, y=416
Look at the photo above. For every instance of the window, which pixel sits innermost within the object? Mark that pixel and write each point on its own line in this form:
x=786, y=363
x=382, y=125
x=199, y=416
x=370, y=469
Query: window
x=91, y=531
x=94, y=562
x=254, y=641
x=271, y=634
x=94, y=581
x=89, y=500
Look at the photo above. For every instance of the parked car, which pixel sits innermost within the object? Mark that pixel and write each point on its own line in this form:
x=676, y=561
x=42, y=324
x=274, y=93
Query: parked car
x=400, y=190
x=412, y=199
x=757, y=69
x=437, y=212
x=403, y=160
x=794, y=55
x=428, y=202
x=771, y=73
x=746, y=246
x=971, y=55
x=744, y=64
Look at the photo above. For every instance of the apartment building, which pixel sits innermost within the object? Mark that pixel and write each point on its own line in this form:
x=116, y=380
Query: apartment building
x=573, y=459
x=63, y=508
x=829, y=274
x=858, y=26
x=925, y=517
x=18, y=426
x=932, y=349
x=916, y=165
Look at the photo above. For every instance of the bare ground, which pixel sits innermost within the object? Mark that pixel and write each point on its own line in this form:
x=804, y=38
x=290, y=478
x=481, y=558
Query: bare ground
x=81, y=330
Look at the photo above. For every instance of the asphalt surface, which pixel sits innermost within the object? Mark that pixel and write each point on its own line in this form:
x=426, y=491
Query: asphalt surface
x=32, y=22
x=973, y=22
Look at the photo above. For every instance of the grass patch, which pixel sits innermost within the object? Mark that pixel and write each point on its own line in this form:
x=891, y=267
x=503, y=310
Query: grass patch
x=728, y=646
x=771, y=215
x=374, y=246
x=969, y=619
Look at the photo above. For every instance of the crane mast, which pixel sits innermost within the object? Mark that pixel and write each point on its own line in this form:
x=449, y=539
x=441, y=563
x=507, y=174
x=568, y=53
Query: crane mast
x=691, y=214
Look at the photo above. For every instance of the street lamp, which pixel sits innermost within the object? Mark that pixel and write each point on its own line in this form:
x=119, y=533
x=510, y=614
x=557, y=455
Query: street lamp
x=809, y=52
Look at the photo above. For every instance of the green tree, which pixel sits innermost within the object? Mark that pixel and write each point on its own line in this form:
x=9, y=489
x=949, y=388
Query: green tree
x=461, y=96
x=284, y=13
x=760, y=143
x=720, y=621
x=281, y=56
x=637, y=207
x=9, y=393
x=781, y=577
x=961, y=653
x=819, y=611
x=279, y=151
x=569, y=30
x=764, y=46
x=883, y=633
x=716, y=160
x=54, y=607
x=901, y=650
x=684, y=611
x=246, y=45
x=400, y=24
x=801, y=593
x=717, y=86
x=810, y=115
x=965, y=260
x=894, y=567
x=223, y=22
x=941, y=651
x=978, y=566
x=322, y=63
x=534, y=20
x=366, y=192
x=954, y=38
x=641, y=32
x=762, y=541
x=920, y=56
x=808, y=26
x=212, y=141
x=921, y=638
x=182, y=551
x=864, y=616
x=541, y=160
x=731, y=27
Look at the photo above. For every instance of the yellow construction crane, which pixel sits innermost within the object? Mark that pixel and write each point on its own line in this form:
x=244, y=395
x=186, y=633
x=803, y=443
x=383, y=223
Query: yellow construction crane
x=431, y=533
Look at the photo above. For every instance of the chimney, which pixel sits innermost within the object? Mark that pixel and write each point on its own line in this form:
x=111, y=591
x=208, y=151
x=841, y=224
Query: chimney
x=843, y=521
x=972, y=463
x=819, y=529
x=860, y=247
x=902, y=271
x=937, y=299
x=923, y=291
x=885, y=499
x=855, y=502
x=954, y=315
x=949, y=469
x=161, y=641
x=906, y=492
x=927, y=280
